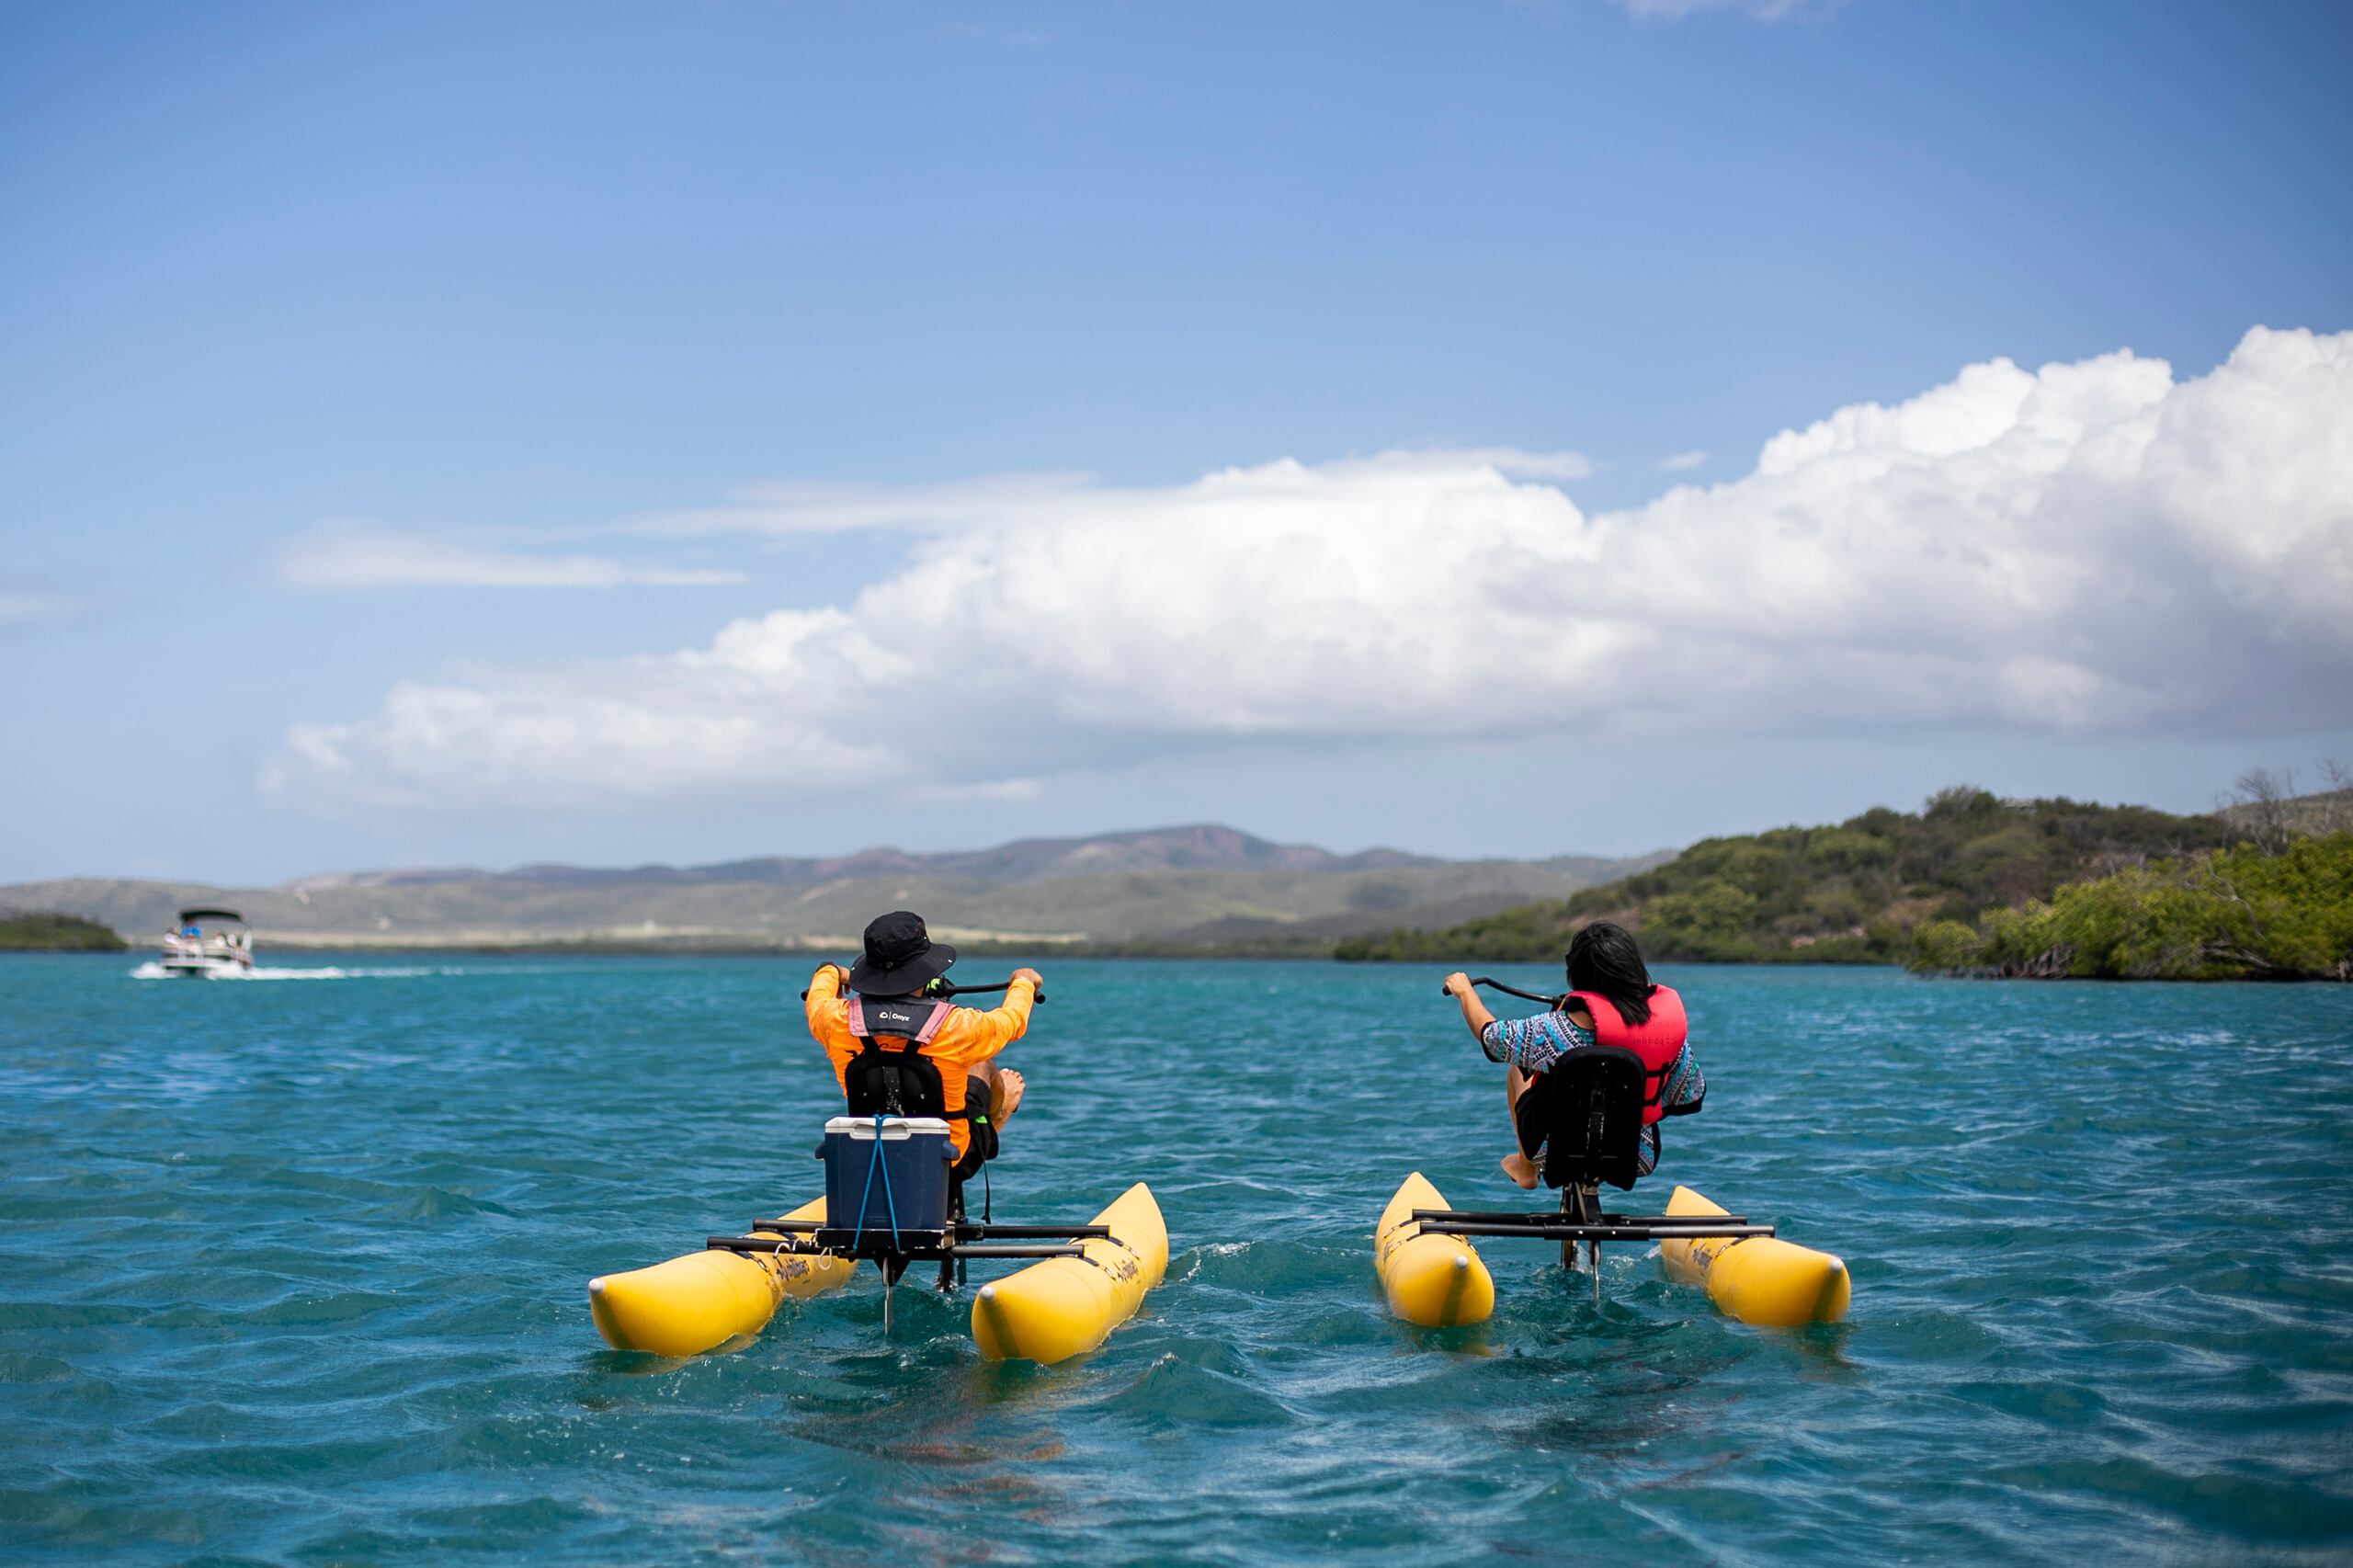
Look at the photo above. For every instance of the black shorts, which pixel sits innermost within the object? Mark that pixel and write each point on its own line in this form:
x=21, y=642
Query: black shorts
x=1533, y=1115
x=1532, y=1118
x=978, y=1151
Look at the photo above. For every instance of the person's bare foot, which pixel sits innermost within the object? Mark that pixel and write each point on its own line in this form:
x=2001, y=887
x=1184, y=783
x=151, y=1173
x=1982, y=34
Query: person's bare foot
x=1006, y=1098
x=1520, y=1169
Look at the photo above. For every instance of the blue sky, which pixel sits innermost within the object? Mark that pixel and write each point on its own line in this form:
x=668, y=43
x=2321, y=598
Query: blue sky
x=317, y=325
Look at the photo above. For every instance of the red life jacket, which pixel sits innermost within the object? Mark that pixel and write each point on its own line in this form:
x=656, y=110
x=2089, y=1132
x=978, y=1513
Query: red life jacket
x=1658, y=1041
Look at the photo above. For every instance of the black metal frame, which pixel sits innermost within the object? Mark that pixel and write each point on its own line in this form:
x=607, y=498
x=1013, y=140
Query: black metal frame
x=807, y=1238
x=1581, y=1218
x=951, y=1246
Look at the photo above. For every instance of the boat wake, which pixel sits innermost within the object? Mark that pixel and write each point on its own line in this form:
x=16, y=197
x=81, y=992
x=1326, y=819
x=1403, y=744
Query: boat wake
x=153, y=971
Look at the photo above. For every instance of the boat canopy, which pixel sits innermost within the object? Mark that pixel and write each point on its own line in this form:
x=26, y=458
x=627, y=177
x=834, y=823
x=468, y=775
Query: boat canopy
x=188, y=916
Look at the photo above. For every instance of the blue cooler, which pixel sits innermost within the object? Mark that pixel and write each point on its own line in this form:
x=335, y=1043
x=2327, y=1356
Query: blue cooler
x=886, y=1182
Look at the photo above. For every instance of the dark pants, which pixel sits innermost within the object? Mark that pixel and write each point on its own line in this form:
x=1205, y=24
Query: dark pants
x=1532, y=1118
x=977, y=1153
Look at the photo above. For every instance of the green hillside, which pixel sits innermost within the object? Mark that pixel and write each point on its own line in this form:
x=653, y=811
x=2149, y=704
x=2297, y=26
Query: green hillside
x=40, y=932
x=2246, y=913
x=1852, y=893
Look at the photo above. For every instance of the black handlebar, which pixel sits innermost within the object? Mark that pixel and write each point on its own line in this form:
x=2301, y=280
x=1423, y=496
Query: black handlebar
x=1038, y=993
x=1508, y=991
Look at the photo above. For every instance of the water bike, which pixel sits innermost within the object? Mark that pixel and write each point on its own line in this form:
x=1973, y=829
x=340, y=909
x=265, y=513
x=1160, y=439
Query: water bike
x=891, y=1198
x=1432, y=1276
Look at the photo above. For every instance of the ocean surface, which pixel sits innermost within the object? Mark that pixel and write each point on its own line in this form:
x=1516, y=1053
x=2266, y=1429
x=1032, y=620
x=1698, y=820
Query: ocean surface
x=294, y=1271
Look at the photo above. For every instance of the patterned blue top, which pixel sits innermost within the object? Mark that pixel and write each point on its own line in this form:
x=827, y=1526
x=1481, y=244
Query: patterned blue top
x=1534, y=1044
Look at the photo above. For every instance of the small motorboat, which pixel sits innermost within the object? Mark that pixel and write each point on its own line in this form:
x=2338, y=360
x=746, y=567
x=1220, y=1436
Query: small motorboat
x=209, y=944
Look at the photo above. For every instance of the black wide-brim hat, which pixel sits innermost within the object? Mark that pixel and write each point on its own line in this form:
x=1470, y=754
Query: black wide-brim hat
x=900, y=959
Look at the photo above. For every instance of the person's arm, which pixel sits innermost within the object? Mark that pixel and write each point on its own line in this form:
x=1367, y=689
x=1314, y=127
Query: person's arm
x=1686, y=1087
x=971, y=1035
x=828, y=1018
x=1532, y=1044
x=1500, y=1040
x=1476, y=1017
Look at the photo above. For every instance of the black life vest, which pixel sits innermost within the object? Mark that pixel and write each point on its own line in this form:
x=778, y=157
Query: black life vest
x=883, y=1082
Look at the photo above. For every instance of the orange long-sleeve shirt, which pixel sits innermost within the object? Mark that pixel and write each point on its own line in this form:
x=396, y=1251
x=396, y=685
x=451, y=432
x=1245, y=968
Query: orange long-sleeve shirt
x=965, y=1039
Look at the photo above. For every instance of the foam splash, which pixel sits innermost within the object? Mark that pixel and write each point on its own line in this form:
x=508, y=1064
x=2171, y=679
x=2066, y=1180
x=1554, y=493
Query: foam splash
x=152, y=969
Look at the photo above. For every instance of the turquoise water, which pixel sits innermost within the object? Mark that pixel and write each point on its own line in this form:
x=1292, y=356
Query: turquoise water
x=294, y=1272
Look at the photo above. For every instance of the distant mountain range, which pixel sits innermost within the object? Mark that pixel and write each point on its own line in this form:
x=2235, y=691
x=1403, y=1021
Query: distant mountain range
x=1198, y=888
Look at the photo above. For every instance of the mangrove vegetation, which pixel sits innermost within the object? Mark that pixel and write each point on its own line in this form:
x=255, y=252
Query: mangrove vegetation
x=1858, y=892
x=2248, y=913
x=41, y=931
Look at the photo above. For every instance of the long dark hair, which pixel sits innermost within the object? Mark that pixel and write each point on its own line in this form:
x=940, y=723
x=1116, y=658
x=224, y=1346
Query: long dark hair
x=1602, y=958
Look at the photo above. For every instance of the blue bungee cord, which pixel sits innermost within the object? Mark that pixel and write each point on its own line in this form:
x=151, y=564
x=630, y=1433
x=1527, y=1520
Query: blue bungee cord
x=889, y=1208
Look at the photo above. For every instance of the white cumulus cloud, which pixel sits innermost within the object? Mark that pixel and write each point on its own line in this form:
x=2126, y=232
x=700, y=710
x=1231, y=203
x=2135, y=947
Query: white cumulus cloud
x=2091, y=546
x=347, y=556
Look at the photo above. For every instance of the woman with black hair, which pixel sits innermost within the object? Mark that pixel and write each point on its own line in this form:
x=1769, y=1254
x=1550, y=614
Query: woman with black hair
x=1611, y=1001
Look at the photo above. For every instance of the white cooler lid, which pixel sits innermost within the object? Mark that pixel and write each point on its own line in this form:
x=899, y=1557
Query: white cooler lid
x=893, y=1127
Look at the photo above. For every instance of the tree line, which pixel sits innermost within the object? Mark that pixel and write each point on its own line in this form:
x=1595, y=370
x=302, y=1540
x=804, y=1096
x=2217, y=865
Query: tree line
x=1974, y=884
x=44, y=931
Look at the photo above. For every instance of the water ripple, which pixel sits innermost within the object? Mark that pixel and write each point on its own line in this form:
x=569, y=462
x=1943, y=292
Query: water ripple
x=293, y=1273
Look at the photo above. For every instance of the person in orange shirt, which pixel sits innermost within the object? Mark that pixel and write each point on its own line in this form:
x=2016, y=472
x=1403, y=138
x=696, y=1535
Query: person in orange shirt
x=899, y=1050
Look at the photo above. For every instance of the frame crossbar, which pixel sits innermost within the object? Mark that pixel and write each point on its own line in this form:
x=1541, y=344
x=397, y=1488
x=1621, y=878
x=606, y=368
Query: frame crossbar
x=1554, y=1216
x=1560, y=1229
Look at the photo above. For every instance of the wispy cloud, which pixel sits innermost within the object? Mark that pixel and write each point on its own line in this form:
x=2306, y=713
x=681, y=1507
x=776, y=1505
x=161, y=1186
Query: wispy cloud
x=996, y=791
x=345, y=557
x=1682, y=462
x=814, y=507
x=2092, y=546
x=1020, y=38
x=1035, y=500
x=1524, y=464
x=1763, y=10
x=24, y=605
